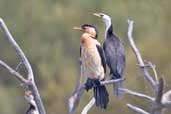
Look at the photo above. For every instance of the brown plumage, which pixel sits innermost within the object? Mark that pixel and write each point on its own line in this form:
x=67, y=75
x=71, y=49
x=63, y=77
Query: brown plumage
x=93, y=64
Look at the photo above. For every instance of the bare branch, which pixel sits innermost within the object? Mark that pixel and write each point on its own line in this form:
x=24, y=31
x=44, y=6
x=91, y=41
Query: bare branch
x=32, y=86
x=108, y=82
x=138, y=55
x=157, y=105
x=137, y=109
x=18, y=50
x=88, y=106
x=13, y=72
x=137, y=94
x=153, y=67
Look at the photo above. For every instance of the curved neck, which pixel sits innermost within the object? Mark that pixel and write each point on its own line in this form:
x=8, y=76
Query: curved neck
x=109, y=28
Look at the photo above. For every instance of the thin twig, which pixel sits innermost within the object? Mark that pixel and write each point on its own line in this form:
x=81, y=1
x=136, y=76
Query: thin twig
x=137, y=94
x=153, y=67
x=13, y=72
x=137, y=109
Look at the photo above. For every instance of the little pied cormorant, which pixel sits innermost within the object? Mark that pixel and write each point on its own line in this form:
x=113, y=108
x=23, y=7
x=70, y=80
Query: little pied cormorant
x=114, y=52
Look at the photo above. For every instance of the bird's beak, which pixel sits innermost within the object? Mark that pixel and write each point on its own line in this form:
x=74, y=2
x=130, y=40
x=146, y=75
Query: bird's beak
x=78, y=28
x=98, y=15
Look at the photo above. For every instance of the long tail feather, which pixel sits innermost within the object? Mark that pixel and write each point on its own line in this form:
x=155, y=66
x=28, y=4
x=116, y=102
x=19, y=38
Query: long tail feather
x=101, y=96
x=100, y=92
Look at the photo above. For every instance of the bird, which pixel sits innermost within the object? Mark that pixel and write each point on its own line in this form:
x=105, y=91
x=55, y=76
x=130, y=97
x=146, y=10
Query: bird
x=32, y=104
x=115, y=54
x=93, y=64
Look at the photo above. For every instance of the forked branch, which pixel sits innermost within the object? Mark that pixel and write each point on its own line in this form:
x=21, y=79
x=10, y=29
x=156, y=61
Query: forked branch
x=158, y=101
x=30, y=76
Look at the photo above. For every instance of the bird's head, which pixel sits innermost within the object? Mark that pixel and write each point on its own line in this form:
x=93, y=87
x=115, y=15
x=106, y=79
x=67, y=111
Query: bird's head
x=90, y=29
x=106, y=19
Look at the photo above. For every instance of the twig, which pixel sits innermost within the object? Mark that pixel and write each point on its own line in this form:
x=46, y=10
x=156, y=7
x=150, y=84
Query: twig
x=153, y=67
x=137, y=94
x=88, y=106
x=13, y=72
x=32, y=86
x=138, y=55
x=137, y=109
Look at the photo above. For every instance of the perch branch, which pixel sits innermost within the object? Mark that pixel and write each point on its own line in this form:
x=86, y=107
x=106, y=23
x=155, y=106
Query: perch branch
x=138, y=55
x=137, y=109
x=32, y=86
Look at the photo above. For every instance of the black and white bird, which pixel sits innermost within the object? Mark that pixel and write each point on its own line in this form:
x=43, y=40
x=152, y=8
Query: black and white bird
x=93, y=64
x=114, y=52
x=32, y=104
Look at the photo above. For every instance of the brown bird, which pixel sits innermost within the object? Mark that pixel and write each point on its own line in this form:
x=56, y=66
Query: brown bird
x=93, y=63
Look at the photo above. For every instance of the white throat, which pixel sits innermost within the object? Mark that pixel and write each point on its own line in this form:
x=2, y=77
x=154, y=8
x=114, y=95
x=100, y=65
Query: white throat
x=108, y=22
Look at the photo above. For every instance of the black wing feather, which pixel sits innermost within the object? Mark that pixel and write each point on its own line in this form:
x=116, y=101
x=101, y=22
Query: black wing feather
x=115, y=55
x=103, y=60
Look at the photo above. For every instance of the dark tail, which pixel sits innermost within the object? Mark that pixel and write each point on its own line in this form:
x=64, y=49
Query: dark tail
x=101, y=96
x=117, y=93
x=100, y=92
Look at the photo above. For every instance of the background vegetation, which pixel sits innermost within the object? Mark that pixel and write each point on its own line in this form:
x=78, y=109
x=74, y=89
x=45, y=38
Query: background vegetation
x=43, y=28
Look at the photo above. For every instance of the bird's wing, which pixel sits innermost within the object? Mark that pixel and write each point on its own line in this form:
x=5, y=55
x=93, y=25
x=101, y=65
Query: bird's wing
x=121, y=60
x=102, y=56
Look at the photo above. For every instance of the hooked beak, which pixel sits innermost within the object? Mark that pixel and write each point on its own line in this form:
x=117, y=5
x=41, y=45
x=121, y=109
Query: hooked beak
x=78, y=28
x=98, y=15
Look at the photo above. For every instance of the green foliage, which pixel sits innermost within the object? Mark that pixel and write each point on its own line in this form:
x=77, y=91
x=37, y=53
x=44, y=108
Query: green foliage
x=43, y=28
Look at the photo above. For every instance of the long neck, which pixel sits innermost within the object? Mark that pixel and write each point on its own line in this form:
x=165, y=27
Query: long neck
x=109, y=28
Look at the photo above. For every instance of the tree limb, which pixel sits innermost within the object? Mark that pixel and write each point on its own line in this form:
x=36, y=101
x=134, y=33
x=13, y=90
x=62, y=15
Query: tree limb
x=157, y=105
x=32, y=86
x=138, y=55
